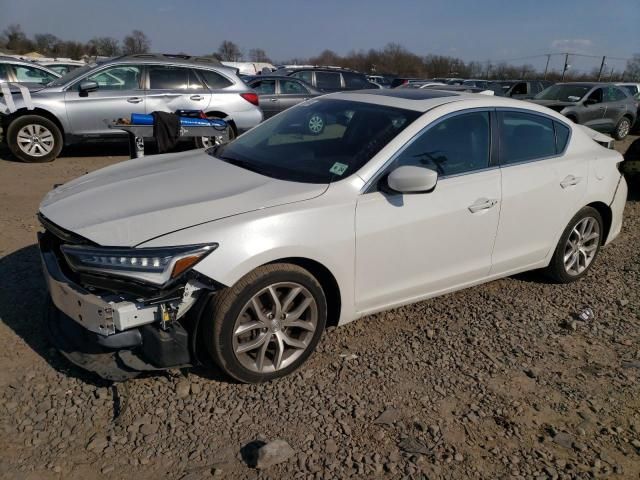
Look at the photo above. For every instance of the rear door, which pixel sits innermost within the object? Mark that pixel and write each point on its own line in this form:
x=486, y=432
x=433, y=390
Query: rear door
x=269, y=101
x=170, y=88
x=292, y=92
x=119, y=95
x=542, y=188
x=616, y=102
x=594, y=110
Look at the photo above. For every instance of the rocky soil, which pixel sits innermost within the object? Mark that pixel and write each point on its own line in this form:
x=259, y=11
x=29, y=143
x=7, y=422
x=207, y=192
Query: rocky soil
x=502, y=380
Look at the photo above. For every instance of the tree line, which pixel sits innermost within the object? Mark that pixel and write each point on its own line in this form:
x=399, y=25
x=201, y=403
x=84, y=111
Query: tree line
x=393, y=59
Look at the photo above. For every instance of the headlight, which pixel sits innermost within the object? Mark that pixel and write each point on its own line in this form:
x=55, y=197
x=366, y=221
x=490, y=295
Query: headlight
x=153, y=265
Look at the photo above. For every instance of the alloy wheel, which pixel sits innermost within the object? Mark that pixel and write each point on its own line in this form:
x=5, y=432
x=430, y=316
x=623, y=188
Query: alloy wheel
x=581, y=246
x=623, y=128
x=275, y=327
x=35, y=140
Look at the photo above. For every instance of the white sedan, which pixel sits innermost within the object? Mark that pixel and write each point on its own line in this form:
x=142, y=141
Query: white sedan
x=340, y=207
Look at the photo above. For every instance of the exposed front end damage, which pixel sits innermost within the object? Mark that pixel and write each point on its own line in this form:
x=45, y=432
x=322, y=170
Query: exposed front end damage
x=118, y=328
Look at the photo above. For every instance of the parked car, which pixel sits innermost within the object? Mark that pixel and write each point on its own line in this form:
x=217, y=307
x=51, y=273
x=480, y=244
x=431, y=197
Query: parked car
x=83, y=103
x=601, y=106
x=495, y=87
x=330, y=79
x=24, y=72
x=460, y=88
x=383, y=80
x=277, y=93
x=245, y=252
x=634, y=90
x=414, y=84
x=399, y=81
x=62, y=67
x=523, y=89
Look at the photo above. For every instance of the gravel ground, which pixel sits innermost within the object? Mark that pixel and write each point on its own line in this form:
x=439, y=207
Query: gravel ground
x=497, y=381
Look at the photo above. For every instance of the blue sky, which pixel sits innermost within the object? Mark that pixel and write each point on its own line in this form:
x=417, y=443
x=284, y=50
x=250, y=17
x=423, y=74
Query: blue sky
x=470, y=29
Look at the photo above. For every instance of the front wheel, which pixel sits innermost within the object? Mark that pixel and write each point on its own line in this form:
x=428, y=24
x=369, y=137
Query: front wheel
x=578, y=247
x=267, y=324
x=622, y=129
x=34, y=139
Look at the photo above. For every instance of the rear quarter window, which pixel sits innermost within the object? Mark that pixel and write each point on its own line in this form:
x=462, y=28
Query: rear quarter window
x=562, y=136
x=214, y=80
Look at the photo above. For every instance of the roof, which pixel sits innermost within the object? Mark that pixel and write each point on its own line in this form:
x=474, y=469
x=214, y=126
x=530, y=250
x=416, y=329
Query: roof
x=168, y=57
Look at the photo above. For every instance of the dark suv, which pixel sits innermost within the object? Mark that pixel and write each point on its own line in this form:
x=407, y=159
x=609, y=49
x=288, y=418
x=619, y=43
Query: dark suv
x=332, y=79
x=523, y=89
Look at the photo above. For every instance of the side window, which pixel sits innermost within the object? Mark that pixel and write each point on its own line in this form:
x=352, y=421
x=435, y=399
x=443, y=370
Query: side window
x=4, y=74
x=123, y=77
x=525, y=136
x=303, y=75
x=291, y=87
x=615, y=94
x=328, y=80
x=264, y=87
x=562, y=136
x=519, y=89
x=596, y=96
x=354, y=81
x=458, y=144
x=214, y=80
x=31, y=74
x=163, y=77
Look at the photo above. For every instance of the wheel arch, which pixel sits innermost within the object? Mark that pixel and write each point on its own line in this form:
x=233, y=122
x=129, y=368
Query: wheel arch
x=219, y=114
x=21, y=112
x=607, y=218
x=327, y=281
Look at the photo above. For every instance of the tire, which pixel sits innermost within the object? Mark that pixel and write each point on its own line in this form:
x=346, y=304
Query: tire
x=622, y=128
x=206, y=142
x=585, y=249
x=34, y=139
x=252, y=356
x=316, y=124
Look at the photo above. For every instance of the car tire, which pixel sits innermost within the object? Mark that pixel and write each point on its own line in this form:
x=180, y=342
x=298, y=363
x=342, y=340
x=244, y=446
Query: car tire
x=622, y=128
x=315, y=124
x=578, y=247
x=34, y=139
x=253, y=338
x=207, y=142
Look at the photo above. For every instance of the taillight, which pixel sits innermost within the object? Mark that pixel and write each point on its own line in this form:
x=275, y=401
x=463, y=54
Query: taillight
x=251, y=98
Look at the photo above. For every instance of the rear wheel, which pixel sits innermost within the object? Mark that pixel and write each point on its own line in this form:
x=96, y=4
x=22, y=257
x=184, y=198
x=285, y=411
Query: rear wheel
x=34, y=139
x=267, y=324
x=622, y=129
x=207, y=142
x=578, y=247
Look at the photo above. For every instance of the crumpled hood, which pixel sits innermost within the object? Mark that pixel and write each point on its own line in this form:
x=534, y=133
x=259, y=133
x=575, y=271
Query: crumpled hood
x=136, y=200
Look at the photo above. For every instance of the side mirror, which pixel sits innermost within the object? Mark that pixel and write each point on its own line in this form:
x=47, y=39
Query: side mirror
x=412, y=179
x=88, y=86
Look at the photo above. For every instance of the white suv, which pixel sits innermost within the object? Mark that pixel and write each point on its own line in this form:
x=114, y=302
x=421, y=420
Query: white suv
x=244, y=253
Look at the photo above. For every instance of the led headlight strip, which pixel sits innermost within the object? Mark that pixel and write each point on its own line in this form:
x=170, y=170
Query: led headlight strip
x=152, y=265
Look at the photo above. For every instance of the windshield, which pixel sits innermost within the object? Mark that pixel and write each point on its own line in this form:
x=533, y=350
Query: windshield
x=318, y=141
x=563, y=93
x=69, y=77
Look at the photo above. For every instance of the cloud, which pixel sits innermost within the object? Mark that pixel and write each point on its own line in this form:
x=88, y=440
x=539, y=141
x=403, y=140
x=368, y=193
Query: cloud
x=572, y=45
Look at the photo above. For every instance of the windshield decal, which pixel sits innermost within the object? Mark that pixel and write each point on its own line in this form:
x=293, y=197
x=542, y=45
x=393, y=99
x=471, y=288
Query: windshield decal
x=338, y=168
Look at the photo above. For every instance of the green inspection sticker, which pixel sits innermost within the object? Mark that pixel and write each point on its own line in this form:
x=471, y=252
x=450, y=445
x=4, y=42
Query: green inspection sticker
x=339, y=168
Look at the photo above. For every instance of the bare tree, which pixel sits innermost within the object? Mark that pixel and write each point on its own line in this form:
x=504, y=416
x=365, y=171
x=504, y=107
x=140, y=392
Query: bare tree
x=16, y=40
x=258, y=55
x=136, y=42
x=229, y=51
x=104, y=46
x=633, y=68
x=45, y=43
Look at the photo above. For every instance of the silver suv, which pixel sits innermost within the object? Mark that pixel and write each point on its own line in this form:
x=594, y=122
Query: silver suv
x=83, y=103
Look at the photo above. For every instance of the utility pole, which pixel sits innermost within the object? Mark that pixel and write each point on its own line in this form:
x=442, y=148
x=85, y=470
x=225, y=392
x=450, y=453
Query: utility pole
x=566, y=65
x=546, y=67
x=602, y=64
x=611, y=74
x=488, y=68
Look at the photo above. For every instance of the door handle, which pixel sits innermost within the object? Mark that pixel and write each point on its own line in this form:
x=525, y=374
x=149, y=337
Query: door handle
x=482, y=204
x=570, y=181
x=196, y=97
x=273, y=99
x=134, y=99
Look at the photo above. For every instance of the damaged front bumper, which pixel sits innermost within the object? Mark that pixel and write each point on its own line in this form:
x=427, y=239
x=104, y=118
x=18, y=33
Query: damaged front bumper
x=118, y=335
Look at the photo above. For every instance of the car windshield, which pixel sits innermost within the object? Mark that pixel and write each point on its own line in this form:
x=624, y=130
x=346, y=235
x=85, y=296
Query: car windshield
x=564, y=93
x=69, y=77
x=318, y=141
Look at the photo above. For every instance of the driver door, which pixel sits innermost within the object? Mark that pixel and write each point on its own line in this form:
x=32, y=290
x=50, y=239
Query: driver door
x=119, y=95
x=594, y=110
x=409, y=246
